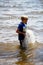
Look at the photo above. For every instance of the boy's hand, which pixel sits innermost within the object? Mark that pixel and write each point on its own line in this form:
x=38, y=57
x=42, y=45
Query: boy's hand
x=24, y=34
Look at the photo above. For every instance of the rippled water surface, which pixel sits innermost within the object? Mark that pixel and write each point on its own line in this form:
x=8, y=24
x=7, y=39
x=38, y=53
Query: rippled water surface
x=11, y=54
x=10, y=12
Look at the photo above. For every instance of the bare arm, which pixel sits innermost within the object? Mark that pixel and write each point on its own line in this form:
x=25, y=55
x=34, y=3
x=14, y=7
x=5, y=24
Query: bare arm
x=17, y=31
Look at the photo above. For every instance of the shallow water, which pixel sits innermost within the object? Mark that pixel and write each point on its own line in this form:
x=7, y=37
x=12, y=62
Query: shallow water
x=11, y=54
x=10, y=12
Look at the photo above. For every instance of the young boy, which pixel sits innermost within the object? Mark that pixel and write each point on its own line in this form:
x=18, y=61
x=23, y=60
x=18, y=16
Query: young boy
x=21, y=30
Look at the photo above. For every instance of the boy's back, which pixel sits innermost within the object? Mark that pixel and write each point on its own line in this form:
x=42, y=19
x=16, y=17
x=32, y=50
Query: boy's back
x=21, y=28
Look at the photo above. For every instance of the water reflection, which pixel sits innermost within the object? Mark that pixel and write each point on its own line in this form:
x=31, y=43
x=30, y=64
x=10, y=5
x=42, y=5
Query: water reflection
x=12, y=54
x=25, y=57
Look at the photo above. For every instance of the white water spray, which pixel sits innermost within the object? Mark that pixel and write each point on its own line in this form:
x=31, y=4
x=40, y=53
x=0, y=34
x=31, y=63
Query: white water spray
x=29, y=38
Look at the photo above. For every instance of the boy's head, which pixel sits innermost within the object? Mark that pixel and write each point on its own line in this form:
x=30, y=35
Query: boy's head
x=24, y=19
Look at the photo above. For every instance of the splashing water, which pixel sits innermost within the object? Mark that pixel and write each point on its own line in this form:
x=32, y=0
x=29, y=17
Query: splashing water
x=29, y=38
x=30, y=35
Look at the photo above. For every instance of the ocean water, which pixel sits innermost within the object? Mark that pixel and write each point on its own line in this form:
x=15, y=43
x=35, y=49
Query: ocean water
x=10, y=13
